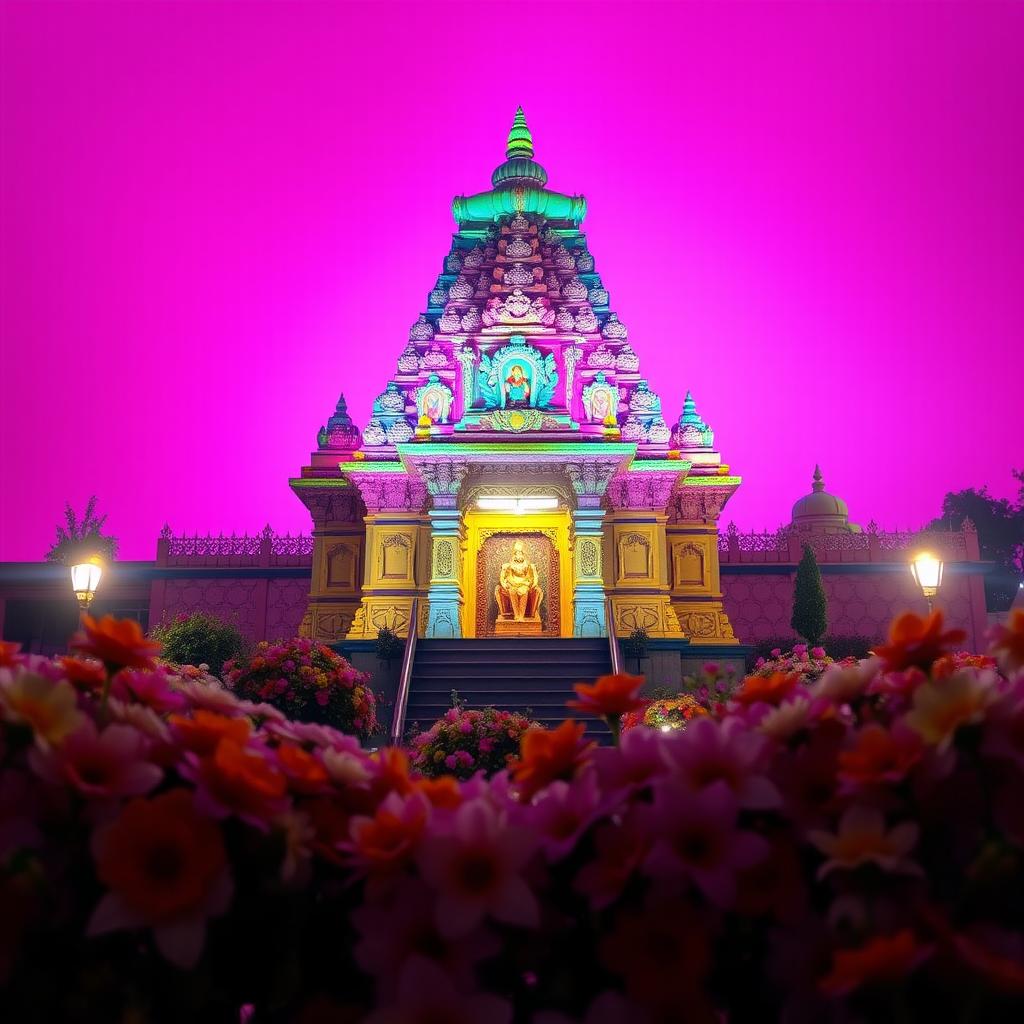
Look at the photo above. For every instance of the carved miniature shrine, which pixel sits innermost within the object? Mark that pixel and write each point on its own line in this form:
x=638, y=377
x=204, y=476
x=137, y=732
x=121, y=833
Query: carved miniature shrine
x=517, y=474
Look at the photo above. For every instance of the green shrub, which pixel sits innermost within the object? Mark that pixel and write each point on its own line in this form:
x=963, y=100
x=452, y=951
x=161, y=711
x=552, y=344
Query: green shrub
x=810, y=609
x=200, y=639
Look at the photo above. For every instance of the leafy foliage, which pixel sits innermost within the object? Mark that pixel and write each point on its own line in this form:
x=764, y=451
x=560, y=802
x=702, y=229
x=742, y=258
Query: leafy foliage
x=388, y=644
x=309, y=682
x=200, y=639
x=466, y=741
x=810, y=609
x=82, y=538
x=1000, y=526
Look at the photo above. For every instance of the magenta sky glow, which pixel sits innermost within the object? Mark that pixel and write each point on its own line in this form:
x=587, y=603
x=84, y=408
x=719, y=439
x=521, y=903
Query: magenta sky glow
x=217, y=216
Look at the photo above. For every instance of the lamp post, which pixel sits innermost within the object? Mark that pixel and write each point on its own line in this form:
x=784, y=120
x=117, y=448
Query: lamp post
x=85, y=578
x=927, y=570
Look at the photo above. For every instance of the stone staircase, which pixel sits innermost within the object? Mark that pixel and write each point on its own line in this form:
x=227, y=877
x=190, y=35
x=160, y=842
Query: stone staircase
x=529, y=675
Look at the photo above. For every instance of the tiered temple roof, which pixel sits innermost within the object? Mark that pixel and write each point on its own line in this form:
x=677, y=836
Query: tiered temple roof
x=518, y=336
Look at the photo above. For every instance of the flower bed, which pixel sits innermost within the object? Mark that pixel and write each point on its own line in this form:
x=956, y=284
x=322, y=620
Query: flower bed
x=307, y=681
x=845, y=851
x=665, y=714
x=465, y=742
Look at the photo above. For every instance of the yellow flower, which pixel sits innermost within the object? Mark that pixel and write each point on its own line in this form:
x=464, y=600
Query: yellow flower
x=49, y=709
x=942, y=706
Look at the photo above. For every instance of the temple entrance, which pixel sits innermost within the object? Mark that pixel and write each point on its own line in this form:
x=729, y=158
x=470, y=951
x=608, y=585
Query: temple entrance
x=518, y=575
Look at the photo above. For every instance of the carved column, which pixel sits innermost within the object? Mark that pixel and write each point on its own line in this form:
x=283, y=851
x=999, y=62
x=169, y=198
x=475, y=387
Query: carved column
x=589, y=478
x=692, y=534
x=641, y=597
x=443, y=477
x=338, y=556
x=588, y=597
x=393, y=571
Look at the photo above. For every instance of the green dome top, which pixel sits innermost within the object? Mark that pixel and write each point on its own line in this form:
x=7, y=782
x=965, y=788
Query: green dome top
x=519, y=167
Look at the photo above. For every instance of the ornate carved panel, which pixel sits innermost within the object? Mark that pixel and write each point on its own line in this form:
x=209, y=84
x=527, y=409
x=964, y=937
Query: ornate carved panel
x=635, y=557
x=688, y=566
x=343, y=566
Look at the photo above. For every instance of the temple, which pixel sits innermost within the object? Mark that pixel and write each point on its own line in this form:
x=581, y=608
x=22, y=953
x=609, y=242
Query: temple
x=517, y=474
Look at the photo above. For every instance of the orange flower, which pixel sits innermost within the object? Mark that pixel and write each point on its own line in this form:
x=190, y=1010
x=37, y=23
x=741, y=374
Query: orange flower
x=610, y=697
x=118, y=643
x=386, y=841
x=84, y=673
x=204, y=730
x=878, y=756
x=49, y=708
x=1008, y=642
x=9, y=653
x=244, y=781
x=441, y=792
x=161, y=856
x=549, y=754
x=773, y=689
x=393, y=775
x=917, y=643
x=305, y=773
x=885, y=958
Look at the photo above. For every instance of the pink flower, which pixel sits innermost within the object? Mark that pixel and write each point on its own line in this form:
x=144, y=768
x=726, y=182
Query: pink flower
x=710, y=751
x=695, y=836
x=426, y=994
x=563, y=812
x=99, y=765
x=150, y=688
x=637, y=760
x=476, y=870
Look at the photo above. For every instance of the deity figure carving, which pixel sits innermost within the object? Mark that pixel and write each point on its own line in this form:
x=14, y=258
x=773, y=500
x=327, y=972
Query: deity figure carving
x=434, y=400
x=517, y=375
x=518, y=592
x=518, y=308
x=600, y=399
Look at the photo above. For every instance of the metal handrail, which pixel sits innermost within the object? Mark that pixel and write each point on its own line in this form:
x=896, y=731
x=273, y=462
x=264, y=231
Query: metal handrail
x=613, y=640
x=405, y=678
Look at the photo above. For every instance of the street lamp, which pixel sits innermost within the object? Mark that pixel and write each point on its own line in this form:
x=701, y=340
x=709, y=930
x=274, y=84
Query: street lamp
x=927, y=570
x=85, y=578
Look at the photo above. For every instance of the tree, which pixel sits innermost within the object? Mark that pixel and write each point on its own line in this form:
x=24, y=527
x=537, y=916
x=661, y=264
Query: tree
x=1000, y=526
x=810, y=608
x=81, y=538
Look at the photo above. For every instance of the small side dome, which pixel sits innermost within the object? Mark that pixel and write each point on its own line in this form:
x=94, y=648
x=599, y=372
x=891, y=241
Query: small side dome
x=823, y=511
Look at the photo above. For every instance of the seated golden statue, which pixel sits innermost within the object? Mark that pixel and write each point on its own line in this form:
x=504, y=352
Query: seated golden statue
x=517, y=592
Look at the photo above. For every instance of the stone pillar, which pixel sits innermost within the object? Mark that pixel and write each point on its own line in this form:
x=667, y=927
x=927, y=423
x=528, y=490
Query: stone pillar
x=393, y=568
x=445, y=596
x=338, y=556
x=443, y=476
x=588, y=597
x=692, y=536
x=640, y=585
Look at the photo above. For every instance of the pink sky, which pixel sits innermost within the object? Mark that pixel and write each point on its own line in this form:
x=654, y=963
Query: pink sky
x=217, y=216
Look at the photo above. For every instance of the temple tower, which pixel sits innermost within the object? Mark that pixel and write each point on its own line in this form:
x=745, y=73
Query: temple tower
x=517, y=470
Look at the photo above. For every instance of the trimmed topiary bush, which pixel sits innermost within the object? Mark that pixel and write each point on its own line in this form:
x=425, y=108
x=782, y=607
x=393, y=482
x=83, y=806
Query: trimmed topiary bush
x=810, y=608
x=200, y=639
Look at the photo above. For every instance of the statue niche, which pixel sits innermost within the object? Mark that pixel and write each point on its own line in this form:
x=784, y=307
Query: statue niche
x=519, y=595
x=517, y=376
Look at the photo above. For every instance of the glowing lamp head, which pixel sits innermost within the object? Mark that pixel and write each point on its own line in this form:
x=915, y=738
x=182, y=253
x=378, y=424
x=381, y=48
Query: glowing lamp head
x=927, y=570
x=518, y=505
x=85, y=578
